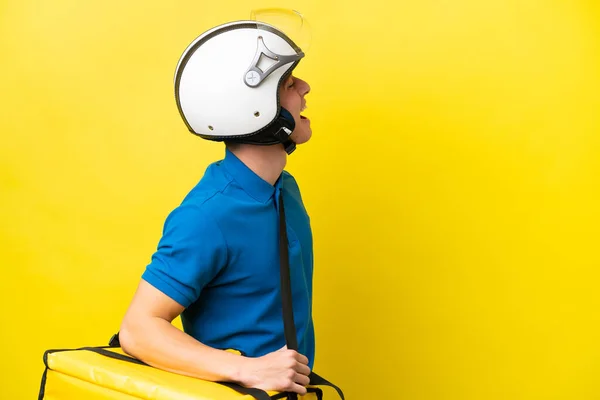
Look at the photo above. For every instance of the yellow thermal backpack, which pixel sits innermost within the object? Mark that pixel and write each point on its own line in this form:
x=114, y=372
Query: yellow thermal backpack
x=106, y=372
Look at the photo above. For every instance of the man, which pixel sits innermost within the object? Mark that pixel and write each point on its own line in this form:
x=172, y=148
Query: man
x=217, y=263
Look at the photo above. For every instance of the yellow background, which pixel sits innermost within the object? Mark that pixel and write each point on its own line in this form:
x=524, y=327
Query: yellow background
x=453, y=182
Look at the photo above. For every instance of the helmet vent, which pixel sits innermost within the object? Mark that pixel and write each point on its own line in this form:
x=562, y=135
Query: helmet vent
x=210, y=127
x=265, y=62
x=257, y=114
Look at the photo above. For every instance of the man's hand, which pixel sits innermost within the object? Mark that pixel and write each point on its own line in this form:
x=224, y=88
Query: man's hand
x=283, y=370
x=147, y=333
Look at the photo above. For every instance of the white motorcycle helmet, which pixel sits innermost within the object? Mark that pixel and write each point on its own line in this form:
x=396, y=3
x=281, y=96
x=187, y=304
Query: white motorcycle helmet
x=227, y=81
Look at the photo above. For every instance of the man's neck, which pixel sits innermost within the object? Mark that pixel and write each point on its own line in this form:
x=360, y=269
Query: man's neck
x=265, y=161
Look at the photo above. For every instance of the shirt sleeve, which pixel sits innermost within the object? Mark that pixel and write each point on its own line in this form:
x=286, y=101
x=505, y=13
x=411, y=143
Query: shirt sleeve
x=190, y=253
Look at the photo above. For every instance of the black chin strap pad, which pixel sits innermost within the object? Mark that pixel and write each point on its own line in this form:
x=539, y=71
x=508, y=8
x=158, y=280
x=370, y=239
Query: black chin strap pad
x=287, y=126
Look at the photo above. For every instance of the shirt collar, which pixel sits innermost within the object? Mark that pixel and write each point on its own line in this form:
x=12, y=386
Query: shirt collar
x=250, y=182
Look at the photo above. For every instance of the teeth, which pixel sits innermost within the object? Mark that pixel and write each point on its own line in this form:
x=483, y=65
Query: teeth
x=304, y=107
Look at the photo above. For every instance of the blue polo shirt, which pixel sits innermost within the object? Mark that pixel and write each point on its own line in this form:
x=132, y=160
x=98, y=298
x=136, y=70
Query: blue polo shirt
x=219, y=258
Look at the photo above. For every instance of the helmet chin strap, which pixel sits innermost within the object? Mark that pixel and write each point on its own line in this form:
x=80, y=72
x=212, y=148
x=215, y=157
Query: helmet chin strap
x=287, y=126
x=289, y=146
x=278, y=132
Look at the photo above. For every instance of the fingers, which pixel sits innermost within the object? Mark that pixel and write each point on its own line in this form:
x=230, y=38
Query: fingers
x=301, y=358
x=301, y=379
x=290, y=387
x=297, y=384
x=289, y=368
x=298, y=389
x=299, y=363
x=302, y=369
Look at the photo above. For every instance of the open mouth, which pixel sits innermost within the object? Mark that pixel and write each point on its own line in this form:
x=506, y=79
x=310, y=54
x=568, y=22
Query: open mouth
x=304, y=107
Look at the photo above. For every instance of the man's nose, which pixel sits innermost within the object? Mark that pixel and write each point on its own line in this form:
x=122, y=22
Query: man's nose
x=305, y=87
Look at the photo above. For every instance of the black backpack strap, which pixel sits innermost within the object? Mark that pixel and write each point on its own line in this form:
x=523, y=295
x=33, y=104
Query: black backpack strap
x=317, y=391
x=112, y=354
x=289, y=326
x=286, y=298
x=318, y=380
x=114, y=341
x=42, y=391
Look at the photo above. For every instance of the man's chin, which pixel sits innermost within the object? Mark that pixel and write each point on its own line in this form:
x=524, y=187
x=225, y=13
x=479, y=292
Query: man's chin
x=301, y=137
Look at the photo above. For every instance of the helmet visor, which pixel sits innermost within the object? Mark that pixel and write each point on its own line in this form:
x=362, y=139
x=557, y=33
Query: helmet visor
x=290, y=22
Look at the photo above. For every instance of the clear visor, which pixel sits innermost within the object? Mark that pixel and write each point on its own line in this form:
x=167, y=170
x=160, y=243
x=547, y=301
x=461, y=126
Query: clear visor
x=266, y=60
x=290, y=22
